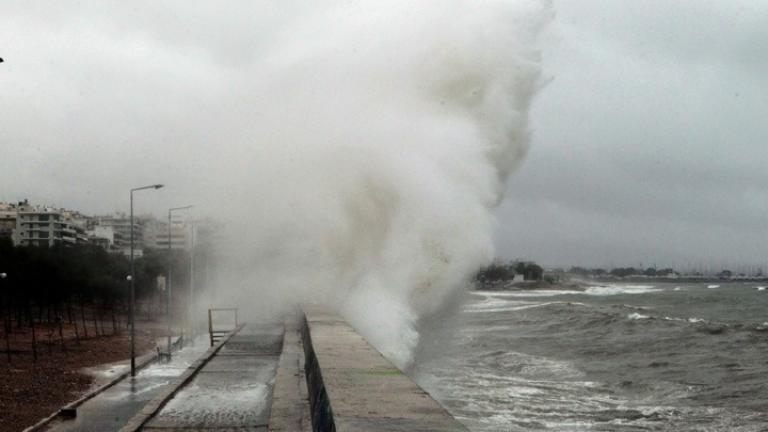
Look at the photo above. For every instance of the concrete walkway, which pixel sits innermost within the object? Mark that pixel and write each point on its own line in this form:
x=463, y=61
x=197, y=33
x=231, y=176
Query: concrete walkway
x=313, y=372
x=112, y=408
x=232, y=391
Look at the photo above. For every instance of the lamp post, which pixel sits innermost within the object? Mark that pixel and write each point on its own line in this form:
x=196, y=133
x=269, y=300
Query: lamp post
x=133, y=290
x=192, y=235
x=168, y=282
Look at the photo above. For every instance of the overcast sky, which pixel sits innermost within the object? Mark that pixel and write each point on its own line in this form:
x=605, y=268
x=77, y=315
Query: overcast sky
x=650, y=141
x=648, y=146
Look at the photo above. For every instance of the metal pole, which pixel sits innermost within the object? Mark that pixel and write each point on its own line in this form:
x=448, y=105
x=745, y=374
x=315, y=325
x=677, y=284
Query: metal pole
x=168, y=285
x=133, y=300
x=132, y=306
x=191, y=281
x=210, y=326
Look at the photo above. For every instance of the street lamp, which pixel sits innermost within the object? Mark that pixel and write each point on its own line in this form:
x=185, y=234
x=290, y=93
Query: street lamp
x=192, y=235
x=133, y=290
x=192, y=245
x=168, y=281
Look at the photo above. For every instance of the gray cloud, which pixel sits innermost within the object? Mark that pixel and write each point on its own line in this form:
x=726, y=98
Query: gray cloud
x=650, y=140
x=649, y=143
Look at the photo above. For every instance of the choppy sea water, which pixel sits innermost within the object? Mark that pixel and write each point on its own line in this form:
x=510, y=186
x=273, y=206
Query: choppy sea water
x=662, y=357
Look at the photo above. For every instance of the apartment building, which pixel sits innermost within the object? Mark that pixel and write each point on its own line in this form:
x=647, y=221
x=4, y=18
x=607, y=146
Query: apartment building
x=118, y=229
x=30, y=225
x=157, y=235
x=46, y=227
x=7, y=220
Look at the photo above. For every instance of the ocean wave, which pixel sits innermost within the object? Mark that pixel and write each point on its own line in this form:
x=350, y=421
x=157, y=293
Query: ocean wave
x=512, y=306
x=692, y=320
x=621, y=289
x=604, y=290
x=633, y=307
x=527, y=293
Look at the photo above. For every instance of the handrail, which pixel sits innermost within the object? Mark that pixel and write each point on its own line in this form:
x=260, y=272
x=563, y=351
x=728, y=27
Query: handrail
x=211, y=332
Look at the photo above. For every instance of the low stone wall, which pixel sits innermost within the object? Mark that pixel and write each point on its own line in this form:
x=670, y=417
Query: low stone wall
x=352, y=387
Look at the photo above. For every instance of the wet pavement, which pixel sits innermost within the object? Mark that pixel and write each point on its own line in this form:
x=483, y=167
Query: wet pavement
x=111, y=409
x=233, y=390
x=230, y=386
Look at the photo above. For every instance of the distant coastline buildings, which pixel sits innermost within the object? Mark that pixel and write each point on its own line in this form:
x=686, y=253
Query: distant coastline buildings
x=27, y=224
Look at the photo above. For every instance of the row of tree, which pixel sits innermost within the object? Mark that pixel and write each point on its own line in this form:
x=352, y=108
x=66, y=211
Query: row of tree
x=498, y=272
x=54, y=286
x=622, y=272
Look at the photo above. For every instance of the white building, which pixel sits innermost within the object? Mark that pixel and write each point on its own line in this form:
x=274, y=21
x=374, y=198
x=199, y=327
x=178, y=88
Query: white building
x=29, y=225
x=46, y=227
x=120, y=227
x=156, y=235
x=8, y=214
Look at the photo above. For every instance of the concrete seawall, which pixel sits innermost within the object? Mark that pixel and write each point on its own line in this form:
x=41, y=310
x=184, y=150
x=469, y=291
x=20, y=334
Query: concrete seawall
x=352, y=387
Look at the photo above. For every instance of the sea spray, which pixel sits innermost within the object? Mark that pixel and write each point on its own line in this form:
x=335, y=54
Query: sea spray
x=381, y=135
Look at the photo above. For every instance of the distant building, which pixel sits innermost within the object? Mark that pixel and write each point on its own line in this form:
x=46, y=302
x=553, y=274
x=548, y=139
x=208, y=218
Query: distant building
x=31, y=225
x=157, y=236
x=46, y=227
x=8, y=214
x=105, y=237
x=119, y=232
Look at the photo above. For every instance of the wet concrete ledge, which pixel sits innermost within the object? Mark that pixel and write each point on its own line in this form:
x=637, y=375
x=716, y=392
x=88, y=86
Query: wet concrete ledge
x=352, y=387
x=290, y=398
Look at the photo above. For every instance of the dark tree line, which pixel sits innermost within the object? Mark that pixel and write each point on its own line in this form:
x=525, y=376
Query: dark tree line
x=622, y=272
x=80, y=285
x=498, y=272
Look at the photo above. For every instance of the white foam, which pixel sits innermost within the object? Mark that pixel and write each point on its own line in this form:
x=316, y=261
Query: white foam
x=594, y=290
x=509, y=306
x=713, y=286
x=621, y=289
x=374, y=193
x=761, y=288
x=537, y=293
x=525, y=293
x=544, y=391
x=638, y=316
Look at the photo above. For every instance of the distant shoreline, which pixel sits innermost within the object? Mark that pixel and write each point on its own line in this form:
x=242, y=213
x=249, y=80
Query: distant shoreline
x=684, y=279
x=577, y=284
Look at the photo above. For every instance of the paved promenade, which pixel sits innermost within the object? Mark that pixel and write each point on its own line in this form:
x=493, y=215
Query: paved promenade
x=311, y=373
x=112, y=408
x=233, y=391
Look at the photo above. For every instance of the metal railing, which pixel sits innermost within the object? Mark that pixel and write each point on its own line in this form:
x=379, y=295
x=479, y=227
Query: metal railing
x=217, y=333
